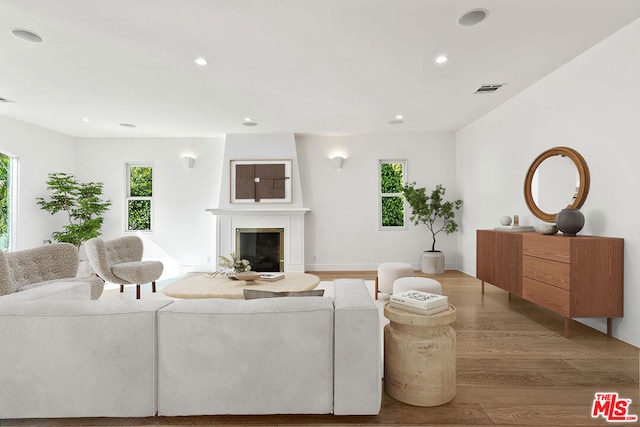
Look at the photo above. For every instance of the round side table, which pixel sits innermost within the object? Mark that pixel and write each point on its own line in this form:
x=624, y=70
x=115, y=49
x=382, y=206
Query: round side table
x=420, y=357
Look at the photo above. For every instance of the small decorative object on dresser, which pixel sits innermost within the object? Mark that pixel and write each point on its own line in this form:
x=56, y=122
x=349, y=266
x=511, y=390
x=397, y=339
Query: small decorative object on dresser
x=570, y=221
x=505, y=220
x=549, y=229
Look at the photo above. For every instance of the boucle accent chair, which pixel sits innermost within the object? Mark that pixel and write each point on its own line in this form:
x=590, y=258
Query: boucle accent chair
x=44, y=265
x=119, y=261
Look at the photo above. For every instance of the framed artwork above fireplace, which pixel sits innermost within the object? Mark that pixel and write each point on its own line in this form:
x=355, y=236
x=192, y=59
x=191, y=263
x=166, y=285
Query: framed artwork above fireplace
x=260, y=181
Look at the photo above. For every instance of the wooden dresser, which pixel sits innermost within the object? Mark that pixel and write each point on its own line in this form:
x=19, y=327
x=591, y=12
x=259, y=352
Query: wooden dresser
x=581, y=276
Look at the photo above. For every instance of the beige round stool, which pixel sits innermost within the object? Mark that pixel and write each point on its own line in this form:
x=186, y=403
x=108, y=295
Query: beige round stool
x=388, y=272
x=423, y=284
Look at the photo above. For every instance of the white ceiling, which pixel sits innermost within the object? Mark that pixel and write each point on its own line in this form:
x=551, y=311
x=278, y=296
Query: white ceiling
x=326, y=67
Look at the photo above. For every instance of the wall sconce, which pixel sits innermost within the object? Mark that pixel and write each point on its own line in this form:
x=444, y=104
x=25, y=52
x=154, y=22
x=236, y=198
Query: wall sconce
x=338, y=162
x=189, y=161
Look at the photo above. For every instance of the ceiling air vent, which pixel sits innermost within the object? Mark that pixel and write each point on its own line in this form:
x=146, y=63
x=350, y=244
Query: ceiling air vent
x=2, y=100
x=488, y=88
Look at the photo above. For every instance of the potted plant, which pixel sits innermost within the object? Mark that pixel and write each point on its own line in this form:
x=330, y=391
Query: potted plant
x=81, y=202
x=437, y=214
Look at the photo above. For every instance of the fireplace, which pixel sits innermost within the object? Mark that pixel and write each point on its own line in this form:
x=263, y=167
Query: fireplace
x=262, y=247
x=291, y=220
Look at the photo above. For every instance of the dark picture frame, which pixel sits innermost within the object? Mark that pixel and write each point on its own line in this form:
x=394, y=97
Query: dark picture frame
x=260, y=181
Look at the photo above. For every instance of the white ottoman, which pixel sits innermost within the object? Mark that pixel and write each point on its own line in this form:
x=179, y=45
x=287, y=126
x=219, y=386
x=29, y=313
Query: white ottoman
x=388, y=272
x=423, y=284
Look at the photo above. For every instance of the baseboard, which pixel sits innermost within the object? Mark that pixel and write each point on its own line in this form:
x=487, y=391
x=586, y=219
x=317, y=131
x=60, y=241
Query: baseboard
x=360, y=267
x=203, y=268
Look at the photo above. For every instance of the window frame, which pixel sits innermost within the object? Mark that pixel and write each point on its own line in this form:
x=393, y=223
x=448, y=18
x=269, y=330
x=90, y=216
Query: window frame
x=128, y=197
x=12, y=226
x=381, y=195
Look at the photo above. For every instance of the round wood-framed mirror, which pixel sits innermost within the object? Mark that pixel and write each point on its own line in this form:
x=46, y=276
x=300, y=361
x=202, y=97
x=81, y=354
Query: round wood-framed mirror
x=575, y=201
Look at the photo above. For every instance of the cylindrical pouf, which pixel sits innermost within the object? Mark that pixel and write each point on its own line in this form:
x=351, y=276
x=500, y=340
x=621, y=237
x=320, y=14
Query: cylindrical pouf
x=423, y=284
x=389, y=272
x=420, y=357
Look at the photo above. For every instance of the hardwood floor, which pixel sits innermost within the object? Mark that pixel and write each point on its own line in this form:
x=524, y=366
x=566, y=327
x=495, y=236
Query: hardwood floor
x=514, y=368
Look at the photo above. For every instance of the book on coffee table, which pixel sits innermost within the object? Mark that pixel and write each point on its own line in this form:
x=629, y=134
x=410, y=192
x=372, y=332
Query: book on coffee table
x=417, y=310
x=271, y=277
x=418, y=299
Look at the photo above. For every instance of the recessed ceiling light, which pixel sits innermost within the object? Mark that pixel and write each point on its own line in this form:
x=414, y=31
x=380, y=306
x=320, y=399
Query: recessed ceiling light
x=442, y=59
x=473, y=17
x=398, y=120
x=84, y=119
x=249, y=122
x=127, y=125
x=26, y=35
x=201, y=61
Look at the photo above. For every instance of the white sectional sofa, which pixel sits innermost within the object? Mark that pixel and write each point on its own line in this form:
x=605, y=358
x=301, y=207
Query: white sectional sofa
x=65, y=355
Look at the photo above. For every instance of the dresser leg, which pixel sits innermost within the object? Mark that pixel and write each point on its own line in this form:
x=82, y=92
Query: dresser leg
x=609, y=327
x=566, y=327
x=483, y=287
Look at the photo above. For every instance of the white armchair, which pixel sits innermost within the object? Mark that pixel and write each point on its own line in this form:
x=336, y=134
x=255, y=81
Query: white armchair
x=120, y=261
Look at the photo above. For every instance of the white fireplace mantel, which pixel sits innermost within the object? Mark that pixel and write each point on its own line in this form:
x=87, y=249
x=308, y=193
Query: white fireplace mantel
x=228, y=220
x=269, y=211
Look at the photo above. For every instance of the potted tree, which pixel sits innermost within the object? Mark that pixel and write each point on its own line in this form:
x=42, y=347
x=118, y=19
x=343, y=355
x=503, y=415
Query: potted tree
x=437, y=214
x=81, y=202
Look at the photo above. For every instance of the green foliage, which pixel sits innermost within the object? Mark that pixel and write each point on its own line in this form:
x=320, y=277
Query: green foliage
x=391, y=178
x=392, y=214
x=5, y=209
x=139, y=215
x=141, y=181
x=432, y=210
x=392, y=211
x=82, y=204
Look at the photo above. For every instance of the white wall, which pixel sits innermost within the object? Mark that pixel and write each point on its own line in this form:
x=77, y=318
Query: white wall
x=183, y=233
x=40, y=152
x=591, y=105
x=342, y=228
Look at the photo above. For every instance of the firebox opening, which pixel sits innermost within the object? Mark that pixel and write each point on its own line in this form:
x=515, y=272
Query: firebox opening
x=262, y=247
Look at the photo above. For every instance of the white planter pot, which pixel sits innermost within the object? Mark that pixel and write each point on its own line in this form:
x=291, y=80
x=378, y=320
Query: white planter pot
x=433, y=262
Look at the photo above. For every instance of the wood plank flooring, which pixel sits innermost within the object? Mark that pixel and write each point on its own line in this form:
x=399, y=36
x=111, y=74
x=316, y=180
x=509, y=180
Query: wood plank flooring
x=514, y=368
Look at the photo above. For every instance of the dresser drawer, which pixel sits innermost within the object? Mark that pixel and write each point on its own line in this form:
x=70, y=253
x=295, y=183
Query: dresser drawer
x=556, y=248
x=543, y=270
x=551, y=297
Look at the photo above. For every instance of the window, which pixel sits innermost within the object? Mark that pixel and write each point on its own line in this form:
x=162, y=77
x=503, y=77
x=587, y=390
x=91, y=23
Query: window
x=139, y=216
x=392, y=212
x=6, y=197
